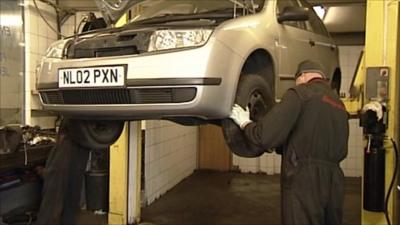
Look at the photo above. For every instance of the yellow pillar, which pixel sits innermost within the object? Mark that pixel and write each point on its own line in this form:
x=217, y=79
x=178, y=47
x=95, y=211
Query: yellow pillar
x=125, y=176
x=125, y=171
x=381, y=49
x=118, y=205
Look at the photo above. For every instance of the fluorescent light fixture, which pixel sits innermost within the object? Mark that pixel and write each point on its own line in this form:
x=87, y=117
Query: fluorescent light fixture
x=10, y=20
x=321, y=11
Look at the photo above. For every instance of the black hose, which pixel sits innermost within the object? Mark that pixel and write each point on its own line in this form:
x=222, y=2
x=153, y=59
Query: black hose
x=392, y=181
x=84, y=19
x=47, y=23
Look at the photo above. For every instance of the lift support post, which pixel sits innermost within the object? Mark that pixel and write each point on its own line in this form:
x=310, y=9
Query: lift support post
x=125, y=176
x=382, y=49
x=125, y=171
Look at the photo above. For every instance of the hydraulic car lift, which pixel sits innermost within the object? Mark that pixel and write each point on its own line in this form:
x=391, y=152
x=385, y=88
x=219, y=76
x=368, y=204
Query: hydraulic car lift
x=125, y=172
x=125, y=176
x=381, y=54
x=382, y=49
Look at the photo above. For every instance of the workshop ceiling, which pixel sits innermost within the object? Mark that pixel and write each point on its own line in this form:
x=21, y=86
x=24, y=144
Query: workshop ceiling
x=342, y=16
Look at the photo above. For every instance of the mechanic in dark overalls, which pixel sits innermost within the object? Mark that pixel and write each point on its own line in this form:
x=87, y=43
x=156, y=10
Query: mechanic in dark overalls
x=63, y=176
x=310, y=125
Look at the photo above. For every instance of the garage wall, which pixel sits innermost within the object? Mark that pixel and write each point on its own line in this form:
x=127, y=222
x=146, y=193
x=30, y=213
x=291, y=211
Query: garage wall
x=12, y=54
x=38, y=36
x=349, y=56
x=170, y=156
x=352, y=165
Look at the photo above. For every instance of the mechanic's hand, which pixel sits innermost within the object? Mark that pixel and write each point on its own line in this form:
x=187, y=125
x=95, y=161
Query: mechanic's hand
x=240, y=116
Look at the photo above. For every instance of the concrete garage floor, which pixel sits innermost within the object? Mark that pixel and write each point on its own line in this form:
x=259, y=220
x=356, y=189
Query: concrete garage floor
x=207, y=198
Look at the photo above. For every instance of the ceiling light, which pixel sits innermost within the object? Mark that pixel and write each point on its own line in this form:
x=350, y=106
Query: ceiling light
x=321, y=11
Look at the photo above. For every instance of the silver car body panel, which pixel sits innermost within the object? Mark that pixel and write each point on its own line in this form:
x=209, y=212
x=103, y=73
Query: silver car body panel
x=214, y=60
x=223, y=56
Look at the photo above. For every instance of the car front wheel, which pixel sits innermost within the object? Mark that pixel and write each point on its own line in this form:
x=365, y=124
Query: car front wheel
x=254, y=92
x=93, y=134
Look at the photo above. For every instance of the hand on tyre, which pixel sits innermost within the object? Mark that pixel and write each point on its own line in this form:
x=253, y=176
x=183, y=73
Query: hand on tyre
x=240, y=116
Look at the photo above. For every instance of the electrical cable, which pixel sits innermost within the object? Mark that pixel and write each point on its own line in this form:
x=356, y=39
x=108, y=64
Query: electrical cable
x=392, y=181
x=83, y=20
x=44, y=19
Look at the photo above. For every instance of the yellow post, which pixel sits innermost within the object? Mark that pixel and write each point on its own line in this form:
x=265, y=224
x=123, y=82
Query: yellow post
x=118, y=190
x=125, y=171
x=119, y=167
x=381, y=49
x=125, y=176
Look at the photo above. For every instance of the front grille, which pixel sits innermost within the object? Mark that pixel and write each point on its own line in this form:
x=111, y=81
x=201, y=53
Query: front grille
x=53, y=96
x=129, y=50
x=128, y=42
x=105, y=52
x=119, y=96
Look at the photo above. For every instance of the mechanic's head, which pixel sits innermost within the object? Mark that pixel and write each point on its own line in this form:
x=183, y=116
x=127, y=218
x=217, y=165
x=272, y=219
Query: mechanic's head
x=309, y=70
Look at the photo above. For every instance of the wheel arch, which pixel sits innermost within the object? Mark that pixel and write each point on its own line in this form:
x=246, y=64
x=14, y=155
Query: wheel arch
x=336, y=80
x=260, y=61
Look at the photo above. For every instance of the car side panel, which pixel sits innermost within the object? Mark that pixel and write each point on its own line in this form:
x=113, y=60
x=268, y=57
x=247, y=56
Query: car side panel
x=244, y=35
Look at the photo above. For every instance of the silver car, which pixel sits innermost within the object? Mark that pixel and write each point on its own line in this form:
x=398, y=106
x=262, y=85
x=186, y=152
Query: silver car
x=183, y=60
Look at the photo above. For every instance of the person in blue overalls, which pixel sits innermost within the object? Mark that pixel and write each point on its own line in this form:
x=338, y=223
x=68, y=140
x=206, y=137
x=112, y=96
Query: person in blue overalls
x=310, y=125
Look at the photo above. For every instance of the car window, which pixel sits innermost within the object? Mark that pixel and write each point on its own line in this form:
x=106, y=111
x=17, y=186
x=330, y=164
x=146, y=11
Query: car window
x=282, y=4
x=314, y=24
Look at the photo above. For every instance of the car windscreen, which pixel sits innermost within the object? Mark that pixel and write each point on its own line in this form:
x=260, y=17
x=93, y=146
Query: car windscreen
x=155, y=9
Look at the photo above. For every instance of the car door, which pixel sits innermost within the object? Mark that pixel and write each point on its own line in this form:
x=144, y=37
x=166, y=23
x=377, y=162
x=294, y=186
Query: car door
x=293, y=47
x=326, y=49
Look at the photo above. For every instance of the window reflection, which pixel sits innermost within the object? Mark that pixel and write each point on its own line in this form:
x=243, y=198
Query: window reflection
x=11, y=62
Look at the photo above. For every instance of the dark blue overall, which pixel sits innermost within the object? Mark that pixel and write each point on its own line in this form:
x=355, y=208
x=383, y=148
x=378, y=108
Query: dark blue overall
x=310, y=125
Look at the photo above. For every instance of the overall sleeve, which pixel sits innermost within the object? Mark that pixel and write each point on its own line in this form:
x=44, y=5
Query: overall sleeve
x=274, y=128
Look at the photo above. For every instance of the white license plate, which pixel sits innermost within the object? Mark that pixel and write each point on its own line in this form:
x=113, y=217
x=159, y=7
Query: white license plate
x=104, y=76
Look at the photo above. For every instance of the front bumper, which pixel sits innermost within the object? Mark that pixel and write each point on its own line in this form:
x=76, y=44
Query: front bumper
x=198, y=82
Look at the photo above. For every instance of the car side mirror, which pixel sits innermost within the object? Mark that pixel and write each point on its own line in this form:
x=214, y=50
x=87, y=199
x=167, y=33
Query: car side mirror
x=292, y=13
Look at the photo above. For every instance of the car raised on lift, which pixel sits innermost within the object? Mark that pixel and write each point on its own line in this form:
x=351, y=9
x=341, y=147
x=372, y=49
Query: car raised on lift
x=186, y=61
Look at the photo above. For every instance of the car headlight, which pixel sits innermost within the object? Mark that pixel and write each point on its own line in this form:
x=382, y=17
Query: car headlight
x=171, y=39
x=57, y=49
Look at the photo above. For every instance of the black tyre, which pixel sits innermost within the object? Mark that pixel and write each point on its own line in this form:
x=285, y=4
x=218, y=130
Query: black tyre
x=336, y=82
x=95, y=135
x=255, y=92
